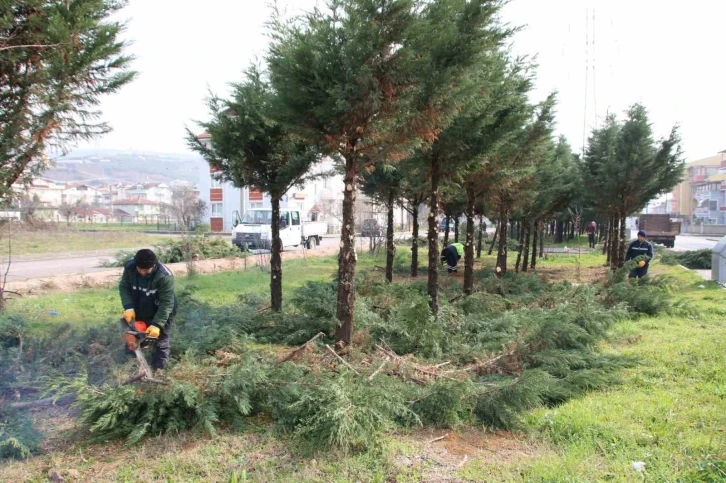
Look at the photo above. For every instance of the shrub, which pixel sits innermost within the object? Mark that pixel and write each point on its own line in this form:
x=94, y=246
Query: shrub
x=695, y=259
x=179, y=250
x=342, y=411
x=648, y=295
x=18, y=438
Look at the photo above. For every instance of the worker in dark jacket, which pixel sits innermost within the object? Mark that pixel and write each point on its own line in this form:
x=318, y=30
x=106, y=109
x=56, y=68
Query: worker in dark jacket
x=640, y=247
x=591, y=232
x=451, y=254
x=147, y=294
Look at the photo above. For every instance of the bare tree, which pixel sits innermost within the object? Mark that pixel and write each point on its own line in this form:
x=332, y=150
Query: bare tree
x=186, y=208
x=5, y=233
x=28, y=205
x=71, y=210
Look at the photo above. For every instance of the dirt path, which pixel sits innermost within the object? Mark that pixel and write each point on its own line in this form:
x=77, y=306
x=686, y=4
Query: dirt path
x=108, y=278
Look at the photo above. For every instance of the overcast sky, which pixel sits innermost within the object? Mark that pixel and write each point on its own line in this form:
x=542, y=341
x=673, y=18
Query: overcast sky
x=667, y=55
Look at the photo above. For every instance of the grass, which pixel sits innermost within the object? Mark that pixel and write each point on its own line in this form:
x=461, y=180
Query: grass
x=92, y=306
x=26, y=242
x=126, y=226
x=668, y=412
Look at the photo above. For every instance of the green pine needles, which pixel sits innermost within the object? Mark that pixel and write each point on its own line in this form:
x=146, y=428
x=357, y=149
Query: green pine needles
x=516, y=344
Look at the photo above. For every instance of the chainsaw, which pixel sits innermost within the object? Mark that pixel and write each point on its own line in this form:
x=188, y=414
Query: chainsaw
x=136, y=339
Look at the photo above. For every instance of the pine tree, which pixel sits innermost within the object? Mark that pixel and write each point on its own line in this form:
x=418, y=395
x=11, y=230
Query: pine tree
x=57, y=60
x=251, y=148
x=383, y=185
x=629, y=169
x=366, y=80
x=414, y=193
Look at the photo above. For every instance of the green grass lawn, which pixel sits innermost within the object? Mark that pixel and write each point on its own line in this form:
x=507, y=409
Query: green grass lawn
x=92, y=306
x=669, y=411
x=24, y=242
x=126, y=226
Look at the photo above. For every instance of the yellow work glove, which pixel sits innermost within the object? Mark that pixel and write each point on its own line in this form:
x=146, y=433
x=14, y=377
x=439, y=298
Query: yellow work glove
x=129, y=315
x=153, y=332
x=641, y=263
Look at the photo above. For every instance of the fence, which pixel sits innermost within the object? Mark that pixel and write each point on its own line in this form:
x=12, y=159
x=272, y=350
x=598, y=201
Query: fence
x=717, y=230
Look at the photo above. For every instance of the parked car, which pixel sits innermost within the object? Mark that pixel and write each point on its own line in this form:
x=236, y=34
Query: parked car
x=371, y=228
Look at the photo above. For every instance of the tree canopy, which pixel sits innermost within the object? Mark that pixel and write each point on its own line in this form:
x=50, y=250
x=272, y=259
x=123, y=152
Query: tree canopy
x=57, y=59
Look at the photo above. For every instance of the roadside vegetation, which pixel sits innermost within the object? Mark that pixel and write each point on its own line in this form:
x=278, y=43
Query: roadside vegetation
x=25, y=241
x=604, y=392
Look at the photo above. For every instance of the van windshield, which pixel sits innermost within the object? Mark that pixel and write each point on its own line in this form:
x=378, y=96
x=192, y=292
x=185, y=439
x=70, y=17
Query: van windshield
x=262, y=217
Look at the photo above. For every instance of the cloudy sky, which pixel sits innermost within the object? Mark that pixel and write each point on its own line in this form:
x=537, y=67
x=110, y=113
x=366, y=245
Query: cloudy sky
x=667, y=55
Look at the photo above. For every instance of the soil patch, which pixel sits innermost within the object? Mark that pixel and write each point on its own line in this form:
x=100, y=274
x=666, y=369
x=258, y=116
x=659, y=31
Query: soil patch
x=441, y=454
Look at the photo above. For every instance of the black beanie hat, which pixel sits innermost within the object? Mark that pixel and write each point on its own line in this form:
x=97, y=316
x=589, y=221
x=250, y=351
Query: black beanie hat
x=145, y=258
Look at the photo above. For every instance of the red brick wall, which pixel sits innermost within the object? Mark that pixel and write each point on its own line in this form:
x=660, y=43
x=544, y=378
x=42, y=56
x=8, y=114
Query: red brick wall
x=215, y=194
x=255, y=195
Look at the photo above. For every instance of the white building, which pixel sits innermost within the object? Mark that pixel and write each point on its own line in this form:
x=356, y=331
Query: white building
x=48, y=192
x=319, y=199
x=81, y=193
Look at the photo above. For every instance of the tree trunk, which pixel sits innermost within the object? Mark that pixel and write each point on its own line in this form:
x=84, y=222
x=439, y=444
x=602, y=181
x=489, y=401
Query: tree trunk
x=456, y=229
x=559, y=235
x=347, y=258
x=414, y=243
x=494, y=238
x=390, y=247
x=447, y=228
x=621, y=245
x=275, y=258
x=541, y=242
x=481, y=236
x=502, y=253
x=533, y=262
x=520, y=245
x=606, y=235
x=527, y=240
x=615, y=243
x=611, y=241
x=433, y=270
x=469, y=246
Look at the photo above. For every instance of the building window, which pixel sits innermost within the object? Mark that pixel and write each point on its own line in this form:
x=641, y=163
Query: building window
x=216, y=183
x=713, y=205
x=255, y=206
x=217, y=210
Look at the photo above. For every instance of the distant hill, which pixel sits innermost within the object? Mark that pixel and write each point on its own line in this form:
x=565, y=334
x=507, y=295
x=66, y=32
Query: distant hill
x=106, y=166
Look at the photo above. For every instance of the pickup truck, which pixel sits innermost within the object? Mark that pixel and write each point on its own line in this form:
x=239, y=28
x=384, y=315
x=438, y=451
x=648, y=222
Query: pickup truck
x=660, y=229
x=254, y=230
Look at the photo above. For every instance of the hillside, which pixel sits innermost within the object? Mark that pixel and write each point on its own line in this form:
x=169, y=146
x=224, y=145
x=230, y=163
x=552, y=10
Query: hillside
x=104, y=166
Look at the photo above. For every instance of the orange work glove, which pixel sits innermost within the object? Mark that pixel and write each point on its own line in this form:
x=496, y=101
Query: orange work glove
x=129, y=315
x=641, y=263
x=153, y=332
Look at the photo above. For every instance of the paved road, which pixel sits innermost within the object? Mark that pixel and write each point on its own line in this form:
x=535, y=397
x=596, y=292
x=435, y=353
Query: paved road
x=71, y=263
x=688, y=242
x=88, y=262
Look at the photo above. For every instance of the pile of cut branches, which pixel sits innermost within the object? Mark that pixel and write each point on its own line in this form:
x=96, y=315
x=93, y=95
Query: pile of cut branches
x=514, y=345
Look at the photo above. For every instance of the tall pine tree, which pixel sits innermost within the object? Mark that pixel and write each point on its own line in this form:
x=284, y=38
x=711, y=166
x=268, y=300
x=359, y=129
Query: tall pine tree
x=629, y=169
x=368, y=79
x=252, y=149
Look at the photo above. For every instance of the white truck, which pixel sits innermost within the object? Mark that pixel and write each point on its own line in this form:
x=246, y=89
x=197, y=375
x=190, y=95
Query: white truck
x=254, y=230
